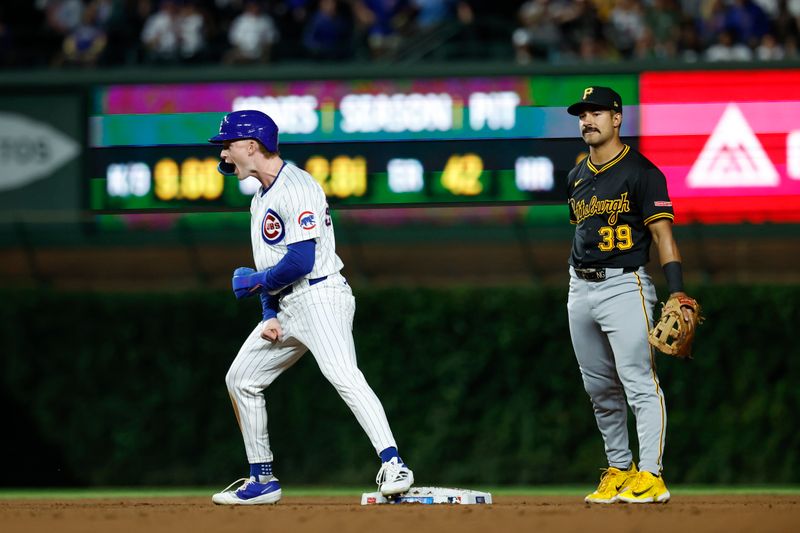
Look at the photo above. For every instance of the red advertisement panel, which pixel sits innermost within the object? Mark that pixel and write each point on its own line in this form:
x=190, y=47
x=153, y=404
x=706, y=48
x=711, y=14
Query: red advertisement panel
x=728, y=142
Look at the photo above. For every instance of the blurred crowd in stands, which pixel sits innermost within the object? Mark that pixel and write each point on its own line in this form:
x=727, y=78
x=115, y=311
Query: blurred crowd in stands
x=89, y=33
x=688, y=30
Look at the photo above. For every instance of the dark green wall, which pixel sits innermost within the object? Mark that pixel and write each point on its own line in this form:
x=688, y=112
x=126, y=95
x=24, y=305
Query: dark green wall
x=480, y=386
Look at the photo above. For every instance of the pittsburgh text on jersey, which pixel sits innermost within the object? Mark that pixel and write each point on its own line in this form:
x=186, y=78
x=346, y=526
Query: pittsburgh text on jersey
x=613, y=208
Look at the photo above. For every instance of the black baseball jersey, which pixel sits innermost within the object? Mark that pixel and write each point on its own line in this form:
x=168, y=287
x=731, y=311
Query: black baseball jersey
x=612, y=206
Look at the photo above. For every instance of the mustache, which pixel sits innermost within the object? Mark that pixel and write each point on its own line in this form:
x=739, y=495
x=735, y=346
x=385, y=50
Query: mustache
x=588, y=129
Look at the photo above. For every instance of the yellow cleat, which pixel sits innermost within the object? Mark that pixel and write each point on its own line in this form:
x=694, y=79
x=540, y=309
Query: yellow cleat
x=645, y=488
x=612, y=483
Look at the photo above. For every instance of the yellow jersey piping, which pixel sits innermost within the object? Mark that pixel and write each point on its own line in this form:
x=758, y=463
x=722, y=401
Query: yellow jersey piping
x=657, y=216
x=611, y=163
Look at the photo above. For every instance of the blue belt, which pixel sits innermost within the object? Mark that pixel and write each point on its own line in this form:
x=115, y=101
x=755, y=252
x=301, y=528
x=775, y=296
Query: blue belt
x=290, y=288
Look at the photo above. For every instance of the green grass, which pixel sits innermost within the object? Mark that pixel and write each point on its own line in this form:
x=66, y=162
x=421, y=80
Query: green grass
x=355, y=492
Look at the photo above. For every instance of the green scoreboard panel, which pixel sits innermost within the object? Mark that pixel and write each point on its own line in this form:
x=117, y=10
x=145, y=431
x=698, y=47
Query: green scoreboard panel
x=368, y=143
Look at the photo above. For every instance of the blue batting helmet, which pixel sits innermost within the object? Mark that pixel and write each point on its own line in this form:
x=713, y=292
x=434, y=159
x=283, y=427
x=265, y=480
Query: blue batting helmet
x=248, y=124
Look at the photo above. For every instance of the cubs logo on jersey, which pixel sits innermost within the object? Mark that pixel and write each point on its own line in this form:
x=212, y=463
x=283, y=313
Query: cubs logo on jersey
x=272, y=229
x=307, y=220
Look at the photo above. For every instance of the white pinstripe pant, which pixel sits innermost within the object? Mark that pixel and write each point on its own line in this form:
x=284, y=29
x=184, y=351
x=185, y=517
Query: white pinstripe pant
x=317, y=318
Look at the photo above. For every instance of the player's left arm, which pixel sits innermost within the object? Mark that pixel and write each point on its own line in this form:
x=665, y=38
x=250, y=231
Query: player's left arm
x=670, y=258
x=661, y=230
x=658, y=215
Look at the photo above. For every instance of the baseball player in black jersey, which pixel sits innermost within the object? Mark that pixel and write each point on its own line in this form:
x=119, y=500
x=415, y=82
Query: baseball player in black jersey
x=619, y=204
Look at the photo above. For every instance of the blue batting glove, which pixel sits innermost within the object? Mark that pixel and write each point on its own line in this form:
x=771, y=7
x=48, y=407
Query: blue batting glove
x=247, y=282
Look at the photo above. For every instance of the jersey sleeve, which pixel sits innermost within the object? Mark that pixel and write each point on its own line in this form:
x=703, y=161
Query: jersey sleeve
x=303, y=217
x=653, y=196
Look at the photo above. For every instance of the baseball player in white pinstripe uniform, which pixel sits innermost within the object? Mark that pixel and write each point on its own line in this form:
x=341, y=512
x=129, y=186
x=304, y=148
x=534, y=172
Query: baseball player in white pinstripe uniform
x=307, y=305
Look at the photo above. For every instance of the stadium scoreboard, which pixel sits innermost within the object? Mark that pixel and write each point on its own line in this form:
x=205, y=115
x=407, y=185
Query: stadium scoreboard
x=368, y=143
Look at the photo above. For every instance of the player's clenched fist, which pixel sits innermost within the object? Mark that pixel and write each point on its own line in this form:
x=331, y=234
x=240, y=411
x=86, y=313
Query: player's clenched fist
x=272, y=330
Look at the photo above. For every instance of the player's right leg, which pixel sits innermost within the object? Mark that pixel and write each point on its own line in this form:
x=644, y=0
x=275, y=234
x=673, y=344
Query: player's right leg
x=255, y=367
x=600, y=380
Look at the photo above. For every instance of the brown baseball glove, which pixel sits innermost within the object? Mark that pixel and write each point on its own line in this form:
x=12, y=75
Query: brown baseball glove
x=673, y=334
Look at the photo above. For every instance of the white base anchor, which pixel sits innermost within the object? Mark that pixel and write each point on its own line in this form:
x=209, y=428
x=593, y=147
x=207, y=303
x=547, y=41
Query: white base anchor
x=430, y=495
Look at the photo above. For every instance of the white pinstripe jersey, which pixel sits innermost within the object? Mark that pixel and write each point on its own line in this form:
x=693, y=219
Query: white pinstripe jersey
x=292, y=209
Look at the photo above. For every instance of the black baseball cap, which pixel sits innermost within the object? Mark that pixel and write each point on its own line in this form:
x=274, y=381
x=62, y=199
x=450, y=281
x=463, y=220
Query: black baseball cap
x=597, y=98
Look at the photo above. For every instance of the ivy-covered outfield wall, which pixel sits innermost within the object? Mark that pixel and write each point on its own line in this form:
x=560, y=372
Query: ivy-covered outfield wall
x=480, y=385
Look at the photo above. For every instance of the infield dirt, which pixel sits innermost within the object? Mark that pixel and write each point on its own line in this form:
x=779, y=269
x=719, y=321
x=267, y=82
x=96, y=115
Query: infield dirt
x=687, y=514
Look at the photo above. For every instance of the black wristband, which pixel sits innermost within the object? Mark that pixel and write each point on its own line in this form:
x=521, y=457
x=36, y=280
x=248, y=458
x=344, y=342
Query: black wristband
x=674, y=275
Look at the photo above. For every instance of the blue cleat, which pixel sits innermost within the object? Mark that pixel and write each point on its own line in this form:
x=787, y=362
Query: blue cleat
x=250, y=493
